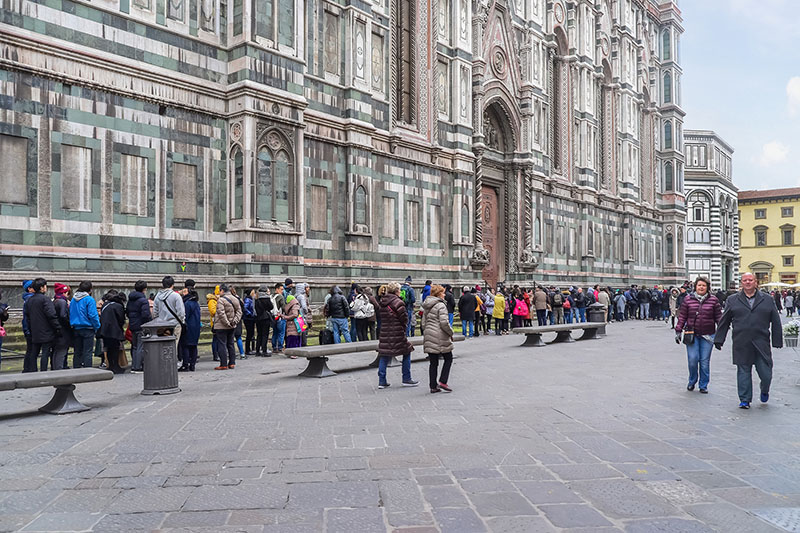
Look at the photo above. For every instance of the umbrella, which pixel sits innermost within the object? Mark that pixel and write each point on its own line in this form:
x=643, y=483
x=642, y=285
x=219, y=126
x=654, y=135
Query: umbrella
x=777, y=284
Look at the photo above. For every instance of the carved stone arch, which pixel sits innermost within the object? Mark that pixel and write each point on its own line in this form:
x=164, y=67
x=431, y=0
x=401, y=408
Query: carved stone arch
x=503, y=114
x=274, y=138
x=562, y=42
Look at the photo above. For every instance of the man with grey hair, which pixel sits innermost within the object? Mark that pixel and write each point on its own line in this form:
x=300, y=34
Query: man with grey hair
x=751, y=313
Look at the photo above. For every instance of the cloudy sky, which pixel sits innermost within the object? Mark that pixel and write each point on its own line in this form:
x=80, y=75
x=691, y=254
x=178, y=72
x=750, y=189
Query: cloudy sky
x=741, y=63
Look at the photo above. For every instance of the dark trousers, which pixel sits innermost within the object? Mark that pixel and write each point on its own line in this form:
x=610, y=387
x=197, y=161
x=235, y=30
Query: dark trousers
x=60, y=356
x=37, y=348
x=744, y=378
x=112, y=347
x=137, y=350
x=371, y=330
x=189, y=354
x=361, y=329
x=84, y=347
x=262, y=336
x=498, y=326
x=26, y=363
x=433, y=368
x=226, y=346
x=249, y=339
x=541, y=316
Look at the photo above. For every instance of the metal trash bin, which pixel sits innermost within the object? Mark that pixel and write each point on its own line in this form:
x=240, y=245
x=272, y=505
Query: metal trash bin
x=597, y=313
x=160, y=360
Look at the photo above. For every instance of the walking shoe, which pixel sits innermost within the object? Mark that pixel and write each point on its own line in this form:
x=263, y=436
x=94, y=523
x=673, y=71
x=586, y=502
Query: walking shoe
x=744, y=405
x=242, y=356
x=384, y=385
x=434, y=391
x=411, y=383
x=221, y=368
x=136, y=371
x=231, y=367
x=764, y=397
x=183, y=369
x=703, y=391
x=689, y=387
x=444, y=387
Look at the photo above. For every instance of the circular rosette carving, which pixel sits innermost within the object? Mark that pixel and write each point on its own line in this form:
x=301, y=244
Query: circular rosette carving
x=236, y=131
x=499, y=63
x=274, y=140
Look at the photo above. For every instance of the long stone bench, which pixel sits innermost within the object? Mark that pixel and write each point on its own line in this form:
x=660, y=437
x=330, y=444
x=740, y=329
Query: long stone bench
x=63, y=400
x=533, y=334
x=317, y=356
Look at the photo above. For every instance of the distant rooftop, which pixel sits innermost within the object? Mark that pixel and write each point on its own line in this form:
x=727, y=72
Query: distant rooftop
x=771, y=193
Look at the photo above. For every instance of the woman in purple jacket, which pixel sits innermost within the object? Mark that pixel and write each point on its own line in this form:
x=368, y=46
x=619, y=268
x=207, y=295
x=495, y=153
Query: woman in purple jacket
x=700, y=313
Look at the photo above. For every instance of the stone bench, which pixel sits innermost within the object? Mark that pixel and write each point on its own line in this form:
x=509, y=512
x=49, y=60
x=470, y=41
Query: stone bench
x=317, y=356
x=533, y=334
x=63, y=400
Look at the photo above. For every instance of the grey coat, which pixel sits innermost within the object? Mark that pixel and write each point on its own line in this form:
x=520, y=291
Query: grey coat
x=437, y=333
x=751, y=328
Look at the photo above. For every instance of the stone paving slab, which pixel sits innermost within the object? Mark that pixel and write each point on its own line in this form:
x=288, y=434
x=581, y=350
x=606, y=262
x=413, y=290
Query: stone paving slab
x=599, y=436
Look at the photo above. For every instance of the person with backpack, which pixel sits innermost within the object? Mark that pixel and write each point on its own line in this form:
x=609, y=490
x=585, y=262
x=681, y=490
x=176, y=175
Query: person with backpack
x=168, y=306
x=191, y=334
x=557, y=307
x=409, y=298
x=338, y=310
x=362, y=310
x=569, y=307
x=228, y=316
x=62, y=344
x=303, y=295
x=580, y=305
x=291, y=311
x=466, y=310
x=520, y=309
x=279, y=329
x=263, y=319
x=249, y=321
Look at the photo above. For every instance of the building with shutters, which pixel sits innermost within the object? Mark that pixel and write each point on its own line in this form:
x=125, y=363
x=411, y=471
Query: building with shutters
x=768, y=241
x=712, y=219
x=332, y=141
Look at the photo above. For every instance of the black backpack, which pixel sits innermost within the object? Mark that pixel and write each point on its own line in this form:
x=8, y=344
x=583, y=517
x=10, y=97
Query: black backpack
x=326, y=336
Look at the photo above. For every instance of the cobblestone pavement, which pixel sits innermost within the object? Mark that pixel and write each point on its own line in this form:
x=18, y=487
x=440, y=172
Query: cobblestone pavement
x=598, y=436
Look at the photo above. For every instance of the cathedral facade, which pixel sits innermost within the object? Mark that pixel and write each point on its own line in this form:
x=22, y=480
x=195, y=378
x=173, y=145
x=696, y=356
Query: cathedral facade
x=501, y=140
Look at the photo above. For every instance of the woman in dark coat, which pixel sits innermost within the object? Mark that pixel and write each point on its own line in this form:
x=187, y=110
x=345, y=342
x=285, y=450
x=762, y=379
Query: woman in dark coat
x=699, y=314
x=393, y=341
x=112, y=328
x=191, y=332
x=752, y=315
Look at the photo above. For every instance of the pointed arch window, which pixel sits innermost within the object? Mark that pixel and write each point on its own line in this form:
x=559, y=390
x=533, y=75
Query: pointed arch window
x=667, y=88
x=360, y=207
x=670, y=250
x=669, y=178
x=404, y=64
x=464, y=223
x=668, y=135
x=238, y=184
x=666, y=45
x=275, y=180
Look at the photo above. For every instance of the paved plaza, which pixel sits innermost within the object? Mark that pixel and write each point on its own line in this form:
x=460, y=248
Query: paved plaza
x=597, y=436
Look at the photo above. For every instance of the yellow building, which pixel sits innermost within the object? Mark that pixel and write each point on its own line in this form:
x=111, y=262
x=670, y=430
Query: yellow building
x=768, y=242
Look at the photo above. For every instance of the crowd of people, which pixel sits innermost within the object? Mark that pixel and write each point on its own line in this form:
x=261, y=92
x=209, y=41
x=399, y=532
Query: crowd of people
x=262, y=321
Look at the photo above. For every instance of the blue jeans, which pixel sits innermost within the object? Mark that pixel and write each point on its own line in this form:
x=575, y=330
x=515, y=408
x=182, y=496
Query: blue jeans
x=449, y=317
x=84, y=346
x=353, y=335
x=467, y=328
x=581, y=314
x=644, y=310
x=410, y=312
x=699, y=355
x=568, y=316
x=278, y=333
x=384, y=361
x=340, y=327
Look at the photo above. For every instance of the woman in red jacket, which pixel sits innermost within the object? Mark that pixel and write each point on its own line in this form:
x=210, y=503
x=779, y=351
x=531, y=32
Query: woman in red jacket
x=699, y=315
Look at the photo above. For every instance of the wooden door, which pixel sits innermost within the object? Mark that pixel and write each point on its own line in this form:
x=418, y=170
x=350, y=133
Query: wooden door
x=492, y=237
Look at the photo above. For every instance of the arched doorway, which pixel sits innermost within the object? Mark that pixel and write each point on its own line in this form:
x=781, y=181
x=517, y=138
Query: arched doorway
x=497, y=171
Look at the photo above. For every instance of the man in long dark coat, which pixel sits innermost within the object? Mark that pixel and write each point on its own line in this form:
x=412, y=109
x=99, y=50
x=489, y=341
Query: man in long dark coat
x=751, y=312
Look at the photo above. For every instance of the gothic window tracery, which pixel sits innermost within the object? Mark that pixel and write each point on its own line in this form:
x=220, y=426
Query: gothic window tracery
x=238, y=184
x=275, y=179
x=404, y=64
x=275, y=21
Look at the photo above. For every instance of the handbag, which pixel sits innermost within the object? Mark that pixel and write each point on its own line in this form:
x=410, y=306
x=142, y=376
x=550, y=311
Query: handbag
x=2, y=332
x=300, y=324
x=688, y=336
x=122, y=360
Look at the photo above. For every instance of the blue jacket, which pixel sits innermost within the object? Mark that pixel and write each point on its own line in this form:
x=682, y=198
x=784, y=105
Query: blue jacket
x=249, y=309
x=26, y=330
x=426, y=291
x=411, y=296
x=191, y=334
x=138, y=310
x=83, y=312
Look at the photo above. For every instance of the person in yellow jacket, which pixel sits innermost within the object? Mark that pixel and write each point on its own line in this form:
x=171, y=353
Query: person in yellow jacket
x=498, y=313
x=478, y=314
x=211, y=300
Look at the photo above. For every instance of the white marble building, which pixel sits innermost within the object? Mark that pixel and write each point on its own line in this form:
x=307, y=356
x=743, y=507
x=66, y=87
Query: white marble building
x=712, y=232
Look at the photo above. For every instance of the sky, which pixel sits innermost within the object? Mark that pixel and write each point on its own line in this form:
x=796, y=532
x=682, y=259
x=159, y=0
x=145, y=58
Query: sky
x=741, y=78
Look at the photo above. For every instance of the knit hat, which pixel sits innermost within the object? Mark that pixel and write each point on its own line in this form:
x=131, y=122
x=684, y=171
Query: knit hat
x=288, y=281
x=408, y=279
x=477, y=288
x=60, y=289
x=26, y=284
